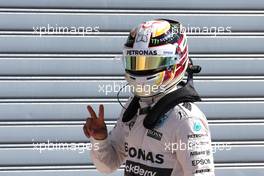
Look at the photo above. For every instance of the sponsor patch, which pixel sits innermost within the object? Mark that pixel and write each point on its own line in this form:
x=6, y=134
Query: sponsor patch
x=141, y=52
x=193, y=136
x=201, y=162
x=197, y=126
x=187, y=105
x=202, y=171
x=154, y=134
x=144, y=155
x=142, y=37
x=204, y=152
x=138, y=169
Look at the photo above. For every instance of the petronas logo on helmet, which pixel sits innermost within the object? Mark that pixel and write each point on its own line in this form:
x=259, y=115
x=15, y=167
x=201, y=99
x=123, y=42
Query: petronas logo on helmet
x=142, y=52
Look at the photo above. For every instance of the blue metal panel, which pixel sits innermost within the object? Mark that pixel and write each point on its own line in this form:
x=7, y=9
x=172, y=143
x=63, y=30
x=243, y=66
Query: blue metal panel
x=47, y=81
x=114, y=44
x=75, y=109
x=123, y=21
x=189, y=4
x=81, y=156
x=65, y=132
x=78, y=65
x=98, y=87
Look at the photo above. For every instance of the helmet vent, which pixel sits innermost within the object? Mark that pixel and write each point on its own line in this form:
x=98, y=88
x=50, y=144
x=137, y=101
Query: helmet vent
x=151, y=77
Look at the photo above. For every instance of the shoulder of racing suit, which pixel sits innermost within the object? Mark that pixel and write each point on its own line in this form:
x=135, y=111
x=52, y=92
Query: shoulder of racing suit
x=187, y=110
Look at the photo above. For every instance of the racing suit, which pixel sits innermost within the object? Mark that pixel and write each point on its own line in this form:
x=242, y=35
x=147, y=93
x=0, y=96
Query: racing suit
x=179, y=145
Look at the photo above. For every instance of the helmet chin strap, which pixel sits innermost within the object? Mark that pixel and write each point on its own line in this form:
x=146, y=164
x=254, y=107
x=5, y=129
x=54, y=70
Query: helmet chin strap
x=154, y=98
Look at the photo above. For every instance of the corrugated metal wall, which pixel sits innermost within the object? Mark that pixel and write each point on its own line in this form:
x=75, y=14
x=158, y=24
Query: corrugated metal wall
x=47, y=81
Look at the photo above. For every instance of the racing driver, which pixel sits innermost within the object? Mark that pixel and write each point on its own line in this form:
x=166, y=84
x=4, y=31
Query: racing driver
x=160, y=131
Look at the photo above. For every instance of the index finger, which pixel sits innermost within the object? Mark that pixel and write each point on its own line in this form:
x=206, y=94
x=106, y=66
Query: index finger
x=90, y=109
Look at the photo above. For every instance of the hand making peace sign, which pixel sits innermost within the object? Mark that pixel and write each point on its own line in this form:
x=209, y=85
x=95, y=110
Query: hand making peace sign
x=95, y=126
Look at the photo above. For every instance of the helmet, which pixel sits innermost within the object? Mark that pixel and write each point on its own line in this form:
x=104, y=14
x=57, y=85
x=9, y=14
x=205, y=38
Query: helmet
x=155, y=57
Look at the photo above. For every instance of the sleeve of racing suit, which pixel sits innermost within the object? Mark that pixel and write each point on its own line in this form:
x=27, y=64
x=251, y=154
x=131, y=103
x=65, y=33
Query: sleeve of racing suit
x=196, y=158
x=109, y=154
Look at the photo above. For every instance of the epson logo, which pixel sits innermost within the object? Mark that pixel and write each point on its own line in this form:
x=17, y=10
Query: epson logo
x=144, y=155
x=142, y=52
x=201, y=162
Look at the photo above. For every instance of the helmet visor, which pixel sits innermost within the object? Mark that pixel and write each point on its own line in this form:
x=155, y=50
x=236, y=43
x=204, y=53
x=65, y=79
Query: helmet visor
x=143, y=63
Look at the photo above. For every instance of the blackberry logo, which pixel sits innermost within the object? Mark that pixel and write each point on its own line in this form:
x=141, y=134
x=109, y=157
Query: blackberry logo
x=138, y=169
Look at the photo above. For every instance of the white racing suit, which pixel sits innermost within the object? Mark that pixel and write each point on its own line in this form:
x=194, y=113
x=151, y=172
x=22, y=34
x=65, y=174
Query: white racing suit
x=180, y=145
